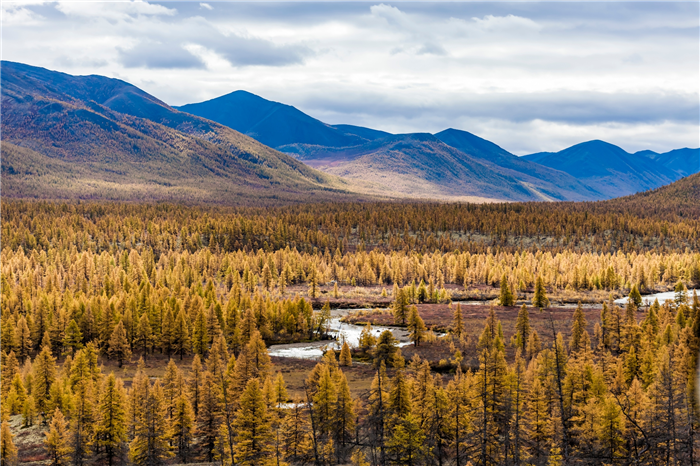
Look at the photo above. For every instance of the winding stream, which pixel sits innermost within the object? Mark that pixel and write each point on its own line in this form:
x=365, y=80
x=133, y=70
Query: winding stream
x=662, y=297
x=339, y=330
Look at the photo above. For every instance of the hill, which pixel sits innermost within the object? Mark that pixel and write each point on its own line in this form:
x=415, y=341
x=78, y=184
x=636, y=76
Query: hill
x=607, y=168
x=682, y=161
x=420, y=165
x=560, y=185
x=272, y=123
x=93, y=137
x=680, y=199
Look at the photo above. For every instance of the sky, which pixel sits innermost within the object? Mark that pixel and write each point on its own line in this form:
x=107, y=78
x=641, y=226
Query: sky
x=528, y=76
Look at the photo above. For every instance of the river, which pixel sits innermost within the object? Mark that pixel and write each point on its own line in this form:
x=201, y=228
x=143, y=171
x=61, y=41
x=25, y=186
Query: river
x=340, y=330
x=662, y=297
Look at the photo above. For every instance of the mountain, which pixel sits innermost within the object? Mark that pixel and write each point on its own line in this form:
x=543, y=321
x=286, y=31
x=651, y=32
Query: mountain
x=682, y=161
x=607, y=168
x=421, y=165
x=291, y=131
x=94, y=137
x=680, y=199
x=274, y=124
x=559, y=185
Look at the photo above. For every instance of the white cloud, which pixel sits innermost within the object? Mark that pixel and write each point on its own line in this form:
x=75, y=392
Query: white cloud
x=17, y=14
x=206, y=5
x=508, y=23
x=119, y=10
x=531, y=76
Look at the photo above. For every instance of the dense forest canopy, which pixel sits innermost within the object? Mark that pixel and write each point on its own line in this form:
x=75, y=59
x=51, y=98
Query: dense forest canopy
x=89, y=288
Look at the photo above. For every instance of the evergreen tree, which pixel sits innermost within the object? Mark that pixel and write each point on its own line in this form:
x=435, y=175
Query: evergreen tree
x=522, y=329
x=254, y=435
x=183, y=429
x=579, y=335
x=73, y=338
x=399, y=396
x=144, y=340
x=110, y=428
x=540, y=299
x=150, y=446
x=44, y=375
x=22, y=339
x=416, y=327
x=506, y=296
x=200, y=335
x=457, y=321
x=296, y=440
x=344, y=418
x=209, y=415
x=400, y=306
x=82, y=415
x=8, y=451
x=313, y=282
x=56, y=441
x=635, y=296
x=119, y=348
x=387, y=351
x=345, y=355
x=407, y=441
x=181, y=341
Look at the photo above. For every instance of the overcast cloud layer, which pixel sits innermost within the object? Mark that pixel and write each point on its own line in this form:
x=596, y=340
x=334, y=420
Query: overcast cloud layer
x=527, y=76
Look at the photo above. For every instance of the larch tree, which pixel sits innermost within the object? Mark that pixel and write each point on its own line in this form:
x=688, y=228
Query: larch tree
x=345, y=355
x=344, y=418
x=8, y=450
x=43, y=376
x=506, y=296
x=82, y=414
x=400, y=306
x=209, y=416
x=181, y=341
x=22, y=339
x=579, y=335
x=74, y=337
x=253, y=432
x=200, y=335
x=150, y=446
x=144, y=340
x=182, y=429
x=540, y=299
x=522, y=329
x=56, y=442
x=407, y=442
x=119, y=347
x=457, y=321
x=416, y=327
x=387, y=350
x=110, y=428
x=296, y=438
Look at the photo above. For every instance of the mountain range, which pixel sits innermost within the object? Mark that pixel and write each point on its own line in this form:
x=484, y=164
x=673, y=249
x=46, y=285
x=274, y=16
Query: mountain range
x=95, y=137
x=586, y=171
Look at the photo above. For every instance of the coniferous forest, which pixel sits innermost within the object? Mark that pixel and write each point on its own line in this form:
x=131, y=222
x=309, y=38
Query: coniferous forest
x=142, y=333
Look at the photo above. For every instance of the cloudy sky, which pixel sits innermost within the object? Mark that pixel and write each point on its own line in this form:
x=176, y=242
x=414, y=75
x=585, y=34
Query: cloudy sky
x=527, y=76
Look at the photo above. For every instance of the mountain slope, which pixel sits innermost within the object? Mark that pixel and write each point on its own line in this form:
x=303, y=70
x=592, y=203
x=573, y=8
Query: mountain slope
x=682, y=161
x=420, y=165
x=607, y=168
x=558, y=184
x=115, y=141
x=272, y=123
x=678, y=199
